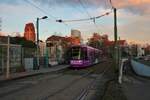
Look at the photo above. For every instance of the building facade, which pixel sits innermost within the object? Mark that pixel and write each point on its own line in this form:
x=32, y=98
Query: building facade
x=76, y=38
x=55, y=49
x=29, y=32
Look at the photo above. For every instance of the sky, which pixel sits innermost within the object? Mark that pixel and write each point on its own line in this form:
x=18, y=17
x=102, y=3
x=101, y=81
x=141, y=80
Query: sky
x=132, y=16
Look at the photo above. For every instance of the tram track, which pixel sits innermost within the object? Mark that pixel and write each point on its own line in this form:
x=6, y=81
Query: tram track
x=58, y=85
x=67, y=86
x=29, y=85
x=85, y=92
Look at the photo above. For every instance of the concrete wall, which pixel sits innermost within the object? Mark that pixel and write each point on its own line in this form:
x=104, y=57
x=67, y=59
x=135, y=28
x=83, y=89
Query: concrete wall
x=140, y=68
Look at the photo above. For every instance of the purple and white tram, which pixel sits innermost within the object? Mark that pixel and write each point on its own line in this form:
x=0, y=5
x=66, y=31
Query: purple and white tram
x=82, y=56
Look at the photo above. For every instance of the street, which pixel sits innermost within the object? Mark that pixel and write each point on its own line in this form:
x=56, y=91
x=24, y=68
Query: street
x=68, y=84
x=74, y=50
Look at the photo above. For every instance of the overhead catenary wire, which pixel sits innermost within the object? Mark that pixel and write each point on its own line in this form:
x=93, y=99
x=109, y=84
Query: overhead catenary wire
x=81, y=3
x=43, y=11
x=73, y=20
x=93, y=18
x=77, y=9
x=85, y=19
x=88, y=13
x=112, y=6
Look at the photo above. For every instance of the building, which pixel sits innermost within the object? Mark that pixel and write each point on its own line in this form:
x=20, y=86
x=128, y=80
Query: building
x=75, y=33
x=121, y=43
x=140, y=51
x=58, y=45
x=147, y=50
x=103, y=43
x=76, y=38
x=3, y=39
x=42, y=46
x=1, y=34
x=29, y=32
x=55, y=49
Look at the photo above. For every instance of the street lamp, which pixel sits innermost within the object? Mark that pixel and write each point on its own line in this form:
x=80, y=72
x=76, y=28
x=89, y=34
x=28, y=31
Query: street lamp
x=37, y=28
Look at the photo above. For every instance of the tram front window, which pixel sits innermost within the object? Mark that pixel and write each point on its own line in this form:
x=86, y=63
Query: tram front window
x=76, y=52
x=79, y=53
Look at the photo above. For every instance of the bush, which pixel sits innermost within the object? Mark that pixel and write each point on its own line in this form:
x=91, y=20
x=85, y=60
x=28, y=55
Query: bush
x=20, y=69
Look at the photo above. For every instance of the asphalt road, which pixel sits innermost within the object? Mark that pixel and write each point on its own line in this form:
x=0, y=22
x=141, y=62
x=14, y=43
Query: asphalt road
x=68, y=84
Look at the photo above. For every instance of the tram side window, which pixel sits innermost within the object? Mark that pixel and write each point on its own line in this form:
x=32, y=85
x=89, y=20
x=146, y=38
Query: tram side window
x=84, y=53
x=91, y=55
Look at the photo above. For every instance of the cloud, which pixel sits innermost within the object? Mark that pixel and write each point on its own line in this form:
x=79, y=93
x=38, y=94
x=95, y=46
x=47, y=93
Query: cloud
x=87, y=3
x=19, y=9
x=141, y=7
x=135, y=28
x=134, y=6
x=131, y=26
x=128, y=3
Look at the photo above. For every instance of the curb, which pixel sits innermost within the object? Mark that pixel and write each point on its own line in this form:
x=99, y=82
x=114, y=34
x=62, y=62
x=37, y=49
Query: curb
x=30, y=75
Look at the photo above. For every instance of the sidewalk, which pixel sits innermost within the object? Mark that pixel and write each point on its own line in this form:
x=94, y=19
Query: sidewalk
x=135, y=87
x=136, y=90
x=28, y=73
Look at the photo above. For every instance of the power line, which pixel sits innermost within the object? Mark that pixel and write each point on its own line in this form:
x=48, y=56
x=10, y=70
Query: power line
x=43, y=11
x=81, y=3
x=74, y=6
x=111, y=4
x=74, y=20
x=39, y=9
x=77, y=9
x=85, y=19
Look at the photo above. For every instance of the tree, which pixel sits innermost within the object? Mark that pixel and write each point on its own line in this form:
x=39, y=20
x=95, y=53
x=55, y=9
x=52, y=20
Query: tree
x=95, y=41
x=22, y=41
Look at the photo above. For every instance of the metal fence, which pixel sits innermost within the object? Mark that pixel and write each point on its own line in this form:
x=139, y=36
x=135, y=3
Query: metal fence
x=15, y=58
x=20, y=58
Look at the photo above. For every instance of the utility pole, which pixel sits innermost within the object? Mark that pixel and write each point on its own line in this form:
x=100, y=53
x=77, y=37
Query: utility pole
x=115, y=26
x=8, y=59
x=37, y=37
x=115, y=39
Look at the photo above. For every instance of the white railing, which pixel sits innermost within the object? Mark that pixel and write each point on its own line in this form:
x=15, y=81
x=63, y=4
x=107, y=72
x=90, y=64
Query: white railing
x=121, y=70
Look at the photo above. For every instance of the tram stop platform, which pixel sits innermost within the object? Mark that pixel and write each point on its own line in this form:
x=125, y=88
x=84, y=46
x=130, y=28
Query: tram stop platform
x=28, y=73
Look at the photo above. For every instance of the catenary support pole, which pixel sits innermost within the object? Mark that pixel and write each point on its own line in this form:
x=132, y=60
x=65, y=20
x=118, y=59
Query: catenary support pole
x=37, y=37
x=115, y=39
x=8, y=58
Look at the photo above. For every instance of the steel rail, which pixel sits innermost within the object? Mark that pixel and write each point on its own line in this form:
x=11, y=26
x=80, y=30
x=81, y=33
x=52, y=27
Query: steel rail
x=85, y=92
x=67, y=86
